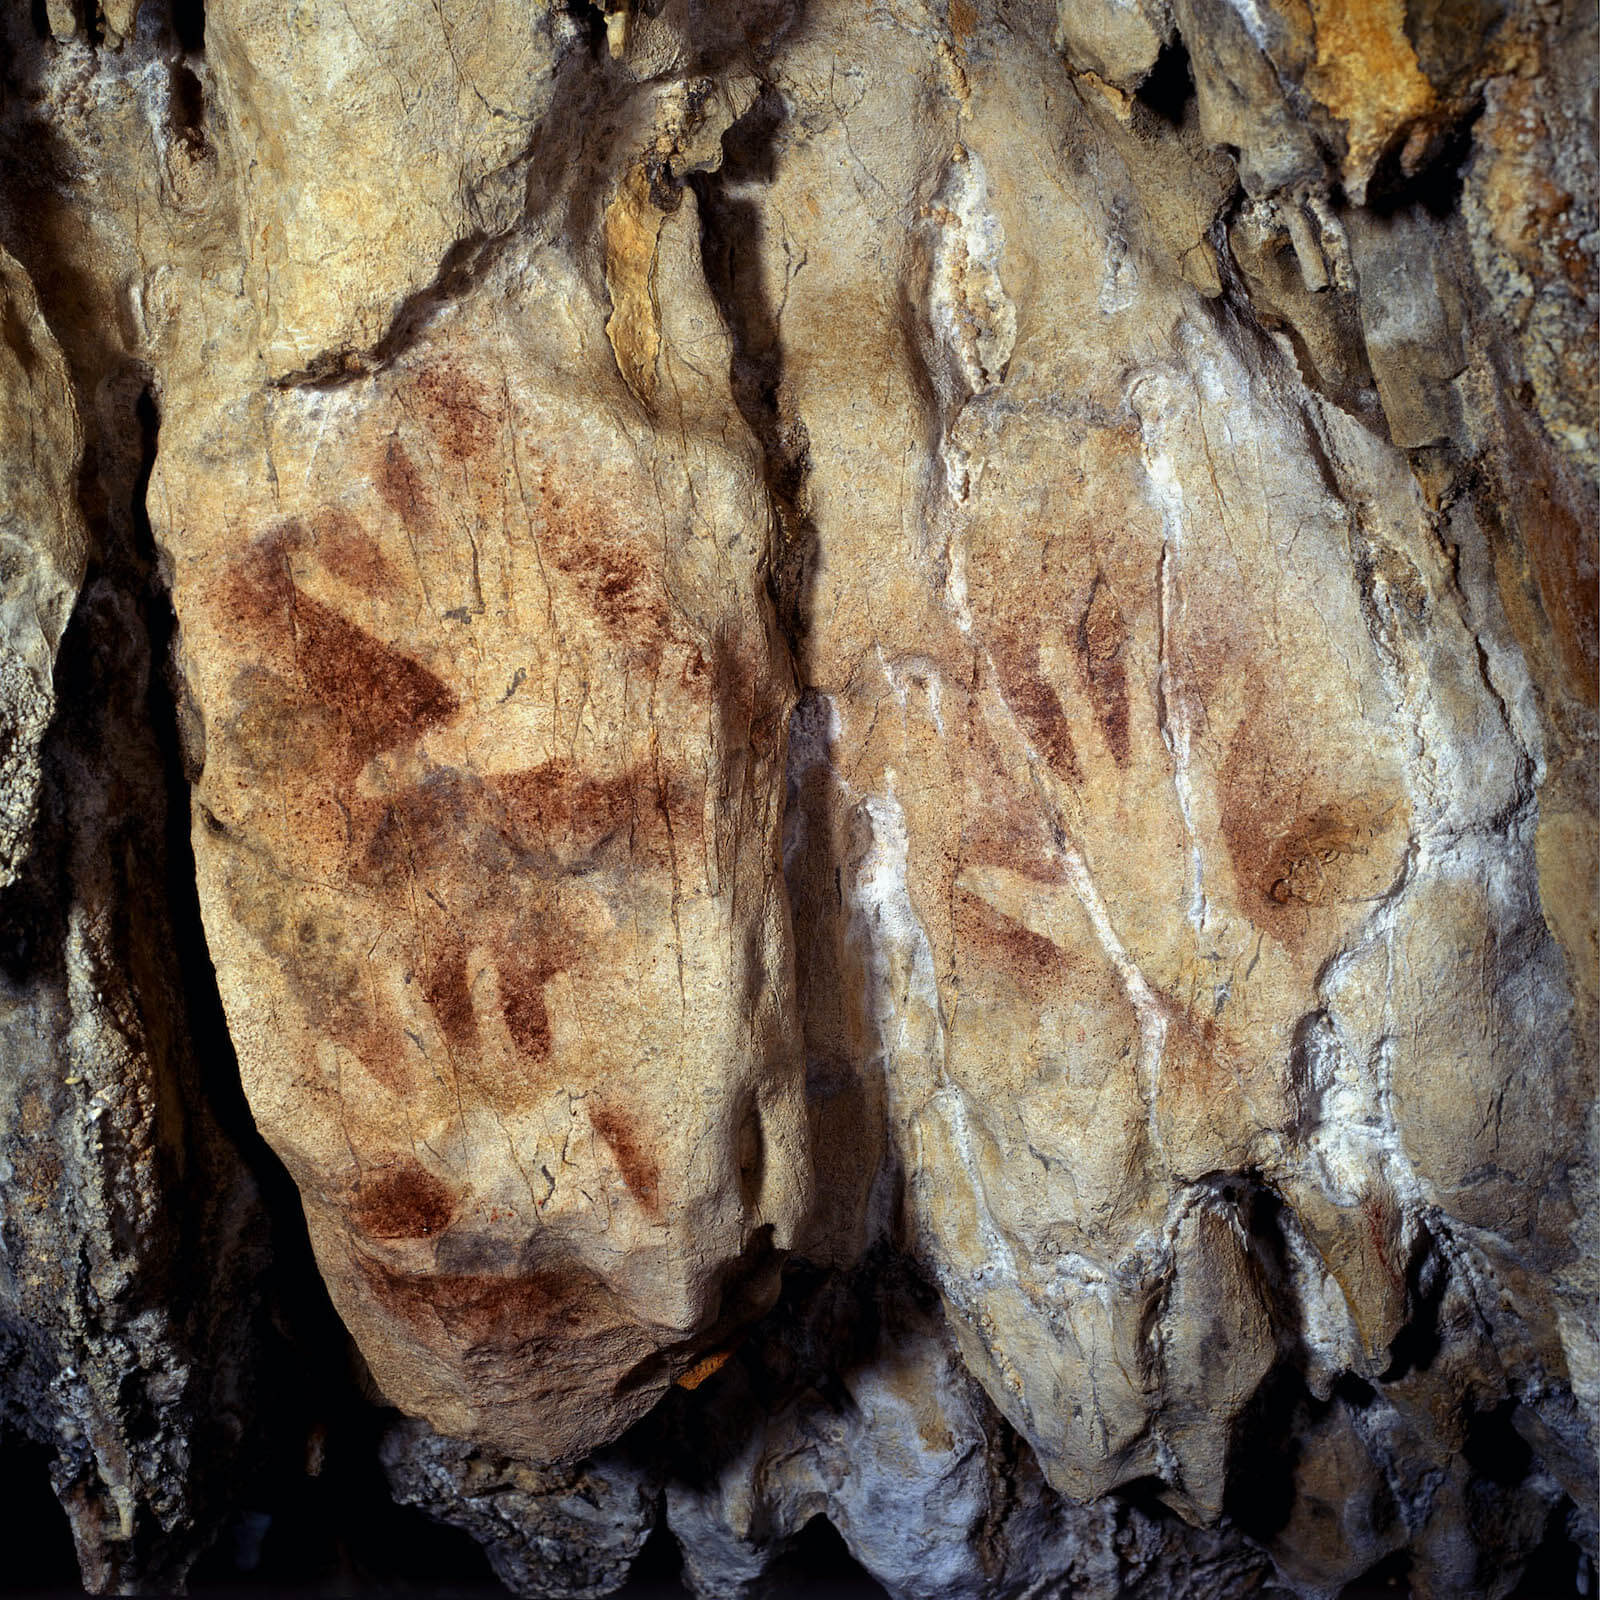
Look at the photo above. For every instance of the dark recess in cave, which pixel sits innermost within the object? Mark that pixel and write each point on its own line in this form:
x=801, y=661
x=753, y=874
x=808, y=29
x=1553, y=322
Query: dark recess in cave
x=818, y=1563
x=1169, y=87
x=1436, y=185
x=189, y=24
x=34, y=1533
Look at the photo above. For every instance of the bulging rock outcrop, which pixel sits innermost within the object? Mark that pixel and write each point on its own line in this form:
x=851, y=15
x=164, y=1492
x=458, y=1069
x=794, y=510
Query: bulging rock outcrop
x=885, y=718
x=487, y=848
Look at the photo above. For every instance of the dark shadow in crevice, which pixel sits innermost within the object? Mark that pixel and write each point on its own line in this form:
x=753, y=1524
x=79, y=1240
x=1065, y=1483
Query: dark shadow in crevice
x=818, y=1562
x=210, y=1041
x=34, y=1532
x=179, y=1213
x=815, y=1565
x=336, y=1529
x=1265, y=1447
x=1435, y=186
x=1169, y=87
x=1494, y=1449
x=1266, y=1443
x=750, y=1285
x=823, y=1323
x=1259, y=1496
x=1419, y=1341
x=657, y=1572
x=735, y=232
x=186, y=102
x=189, y=25
x=1560, y=1565
x=591, y=18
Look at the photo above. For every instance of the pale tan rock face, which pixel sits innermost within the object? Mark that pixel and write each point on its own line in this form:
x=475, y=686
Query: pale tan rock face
x=486, y=841
x=1118, y=730
x=379, y=136
x=1145, y=783
x=851, y=633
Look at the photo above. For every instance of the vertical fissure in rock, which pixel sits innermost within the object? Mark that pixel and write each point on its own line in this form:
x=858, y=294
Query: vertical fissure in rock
x=735, y=239
x=187, y=99
x=189, y=25
x=180, y=754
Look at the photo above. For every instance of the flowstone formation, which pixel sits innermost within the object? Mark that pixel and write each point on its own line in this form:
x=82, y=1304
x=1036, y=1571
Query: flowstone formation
x=870, y=731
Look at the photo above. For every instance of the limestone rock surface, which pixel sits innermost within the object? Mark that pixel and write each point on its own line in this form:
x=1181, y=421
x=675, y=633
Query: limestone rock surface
x=870, y=731
x=44, y=546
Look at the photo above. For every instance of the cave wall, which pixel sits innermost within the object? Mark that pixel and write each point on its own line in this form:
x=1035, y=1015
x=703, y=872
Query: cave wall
x=842, y=755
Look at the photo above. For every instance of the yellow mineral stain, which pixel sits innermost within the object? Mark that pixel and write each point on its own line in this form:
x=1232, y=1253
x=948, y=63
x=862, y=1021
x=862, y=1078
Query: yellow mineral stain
x=617, y=32
x=632, y=233
x=1367, y=74
x=705, y=1367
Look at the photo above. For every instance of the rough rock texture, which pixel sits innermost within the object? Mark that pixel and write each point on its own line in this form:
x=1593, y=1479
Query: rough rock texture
x=568, y=1531
x=933, y=1494
x=883, y=720
x=44, y=547
x=129, y=1230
